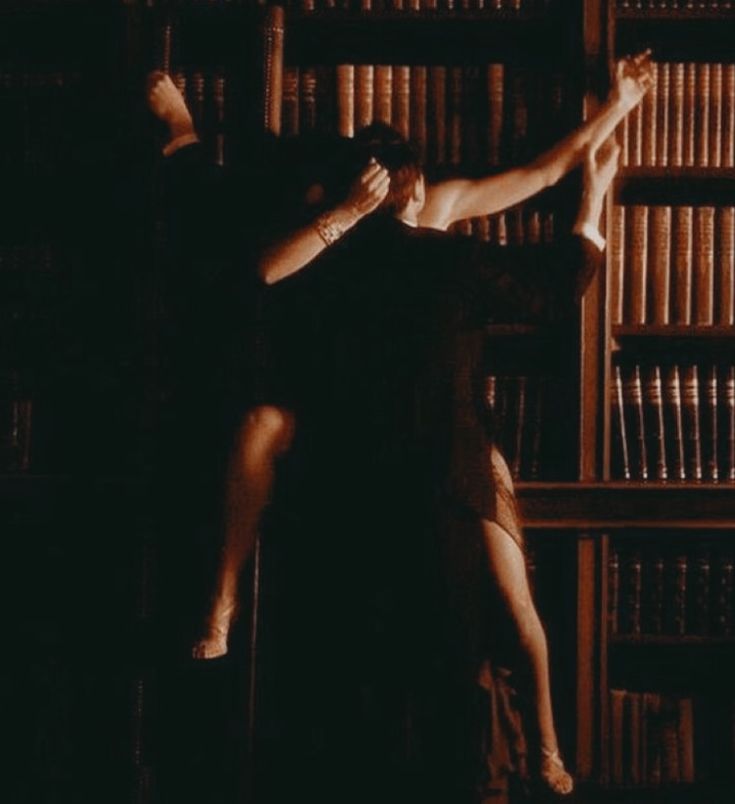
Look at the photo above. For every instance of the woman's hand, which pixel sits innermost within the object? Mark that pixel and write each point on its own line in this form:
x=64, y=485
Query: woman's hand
x=634, y=76
x=368, y=190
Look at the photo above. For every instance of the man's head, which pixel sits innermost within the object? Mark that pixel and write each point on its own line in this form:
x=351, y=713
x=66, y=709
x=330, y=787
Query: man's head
x=389, y=148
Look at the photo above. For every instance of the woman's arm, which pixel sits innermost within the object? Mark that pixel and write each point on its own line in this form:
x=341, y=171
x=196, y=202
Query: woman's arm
x=297, y=249
x=458, y=199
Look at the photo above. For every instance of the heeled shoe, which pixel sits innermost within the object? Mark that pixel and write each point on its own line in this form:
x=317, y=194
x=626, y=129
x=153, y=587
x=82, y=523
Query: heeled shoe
x=553, y=773
x=213, y=644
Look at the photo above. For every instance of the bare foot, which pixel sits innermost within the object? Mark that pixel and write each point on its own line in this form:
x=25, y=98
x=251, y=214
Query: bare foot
x=168, y=104
x=553, y=774
x=214, y=642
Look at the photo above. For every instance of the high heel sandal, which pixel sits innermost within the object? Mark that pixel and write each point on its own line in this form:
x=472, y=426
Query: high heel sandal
x=553, y=773
x=214, y=642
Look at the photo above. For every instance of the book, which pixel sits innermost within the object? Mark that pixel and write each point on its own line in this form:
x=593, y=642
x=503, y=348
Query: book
x=635, y=423
x=659, y=268
x=364, y=95
x=383, y=101
x=307, y=99
x=676, y=117
x=728, y=116
x=346, y=100
x=654, y=423
x=727, y=396
x=632, y=738
x=690, y=417
x=703, y=265
x=690, y=99
x=290, y=124
x=617, y=263
x=437, y=115
x=702, y=110
x=685, y=740
x=617, y=765
x=651, y=743
x=709, y=424
x=669, y=717
x=454, y=114
x=654, y=600
x=663, y=102
x=698, y=607
x=649, y=105
x=418, y=106
x=630, y=592
x=674, y=424
x=682, y=264
x=496, y=98
x=725, y=268
x=715, y=117
x=676, y=609
x=636, y=261
x=401, y=110
x=613, y=590
x=620, y=453
x=723, y=601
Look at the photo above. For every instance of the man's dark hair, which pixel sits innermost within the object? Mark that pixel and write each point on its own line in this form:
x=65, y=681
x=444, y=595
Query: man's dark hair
x=386, y=145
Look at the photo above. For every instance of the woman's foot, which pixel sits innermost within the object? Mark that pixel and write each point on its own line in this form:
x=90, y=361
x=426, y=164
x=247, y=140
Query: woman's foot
x=214, y=642
x=553, y=774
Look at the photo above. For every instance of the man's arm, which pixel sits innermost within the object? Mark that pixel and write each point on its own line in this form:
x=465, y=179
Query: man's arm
x=458, y=199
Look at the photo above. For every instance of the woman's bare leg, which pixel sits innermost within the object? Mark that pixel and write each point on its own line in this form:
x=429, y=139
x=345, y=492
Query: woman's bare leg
x=508, y=571
x=265, y=433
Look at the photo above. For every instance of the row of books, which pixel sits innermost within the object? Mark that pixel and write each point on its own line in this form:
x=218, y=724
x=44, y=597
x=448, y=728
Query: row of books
x=652, y=739
x=375, y=6
x=674, y=422
x=676, y=5
x=517, y=226
x=672, y=265
x=457, y=115
x=687, y=119
x=207, y=98
x=517, y=406
x=673, y=589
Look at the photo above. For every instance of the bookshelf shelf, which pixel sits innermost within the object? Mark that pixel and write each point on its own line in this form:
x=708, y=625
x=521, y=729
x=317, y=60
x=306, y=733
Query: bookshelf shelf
x=420, y=38
x=699, y=35
x=621, y=505
x=688, y=640
x=672, y=186
x=678, y=331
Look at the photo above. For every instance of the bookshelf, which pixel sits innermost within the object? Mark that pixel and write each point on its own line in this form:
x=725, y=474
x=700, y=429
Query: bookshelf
x=579, y=511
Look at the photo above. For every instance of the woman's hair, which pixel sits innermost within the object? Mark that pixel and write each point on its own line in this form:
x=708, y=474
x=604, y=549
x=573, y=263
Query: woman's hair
x=388, y=147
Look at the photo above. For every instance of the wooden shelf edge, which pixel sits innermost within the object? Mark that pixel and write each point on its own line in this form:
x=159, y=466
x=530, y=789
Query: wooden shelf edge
x=600, y=506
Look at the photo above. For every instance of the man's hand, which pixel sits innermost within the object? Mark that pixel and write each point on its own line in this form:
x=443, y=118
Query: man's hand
x=167, y=104
x=634, y=76
x=368, y=190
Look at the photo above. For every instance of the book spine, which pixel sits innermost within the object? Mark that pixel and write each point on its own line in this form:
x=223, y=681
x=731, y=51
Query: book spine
x=401, y=113
x=651, y=742
x=653, y=612
x=437, y=109
x=649, y=107
x=725, y=250
x=622, y=464
x=669, y=741
x=617, y=264
x=517, y=453
x=346, y=100
x=307, y=100
x=218, y=94
x=709, y=425
x=675, y=428
x=676, y=138
x=419, y=110
x=690, y=411
x=496, y=97
x=659, y=274
x=728, y=408
x=663, y=101
x=383, y=102
x=655, y=432
x=703, y=268
x=678, y=596
x=617, y=705
x=690, y=103
x=715, y=117
x=702, y=122
x=699, y=598
x=613, y=591
x=685, y=740
x=631, y=589
x=636, y=240
x=364, y=91
x=633, y=394
x=290, y=114
x=632, y=738
x=272, y=37
x=682, y=264
x=722, y=594
x=455, y=116
x=728, y=116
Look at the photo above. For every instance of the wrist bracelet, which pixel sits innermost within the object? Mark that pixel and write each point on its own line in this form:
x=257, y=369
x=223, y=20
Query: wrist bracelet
x=329, y=228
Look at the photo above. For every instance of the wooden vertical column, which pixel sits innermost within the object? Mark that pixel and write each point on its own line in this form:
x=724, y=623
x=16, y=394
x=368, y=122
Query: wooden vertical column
x=592, y=435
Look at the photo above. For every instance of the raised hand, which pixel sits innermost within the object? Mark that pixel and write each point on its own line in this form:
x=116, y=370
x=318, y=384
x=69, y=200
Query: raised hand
x=369, y=189
x=167, y=103
x=634, y=76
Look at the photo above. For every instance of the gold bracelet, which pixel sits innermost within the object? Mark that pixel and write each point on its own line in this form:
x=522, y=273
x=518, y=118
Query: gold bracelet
x=331, y=226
